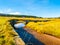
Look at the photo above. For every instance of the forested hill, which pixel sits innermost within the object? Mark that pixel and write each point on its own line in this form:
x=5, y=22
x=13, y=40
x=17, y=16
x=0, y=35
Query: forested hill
x=10, y=15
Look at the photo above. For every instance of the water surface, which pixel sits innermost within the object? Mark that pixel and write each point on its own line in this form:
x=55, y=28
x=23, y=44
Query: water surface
x=27, y=37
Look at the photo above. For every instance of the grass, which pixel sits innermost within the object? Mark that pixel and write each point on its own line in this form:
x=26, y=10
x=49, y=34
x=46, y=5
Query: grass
x=7, y=33
x=51, y=27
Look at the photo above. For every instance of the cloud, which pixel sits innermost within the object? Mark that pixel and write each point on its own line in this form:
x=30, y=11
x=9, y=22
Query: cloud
x=9, y=11
x=15, y=13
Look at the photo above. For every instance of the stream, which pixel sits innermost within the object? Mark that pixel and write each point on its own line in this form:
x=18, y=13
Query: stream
x=27, y=37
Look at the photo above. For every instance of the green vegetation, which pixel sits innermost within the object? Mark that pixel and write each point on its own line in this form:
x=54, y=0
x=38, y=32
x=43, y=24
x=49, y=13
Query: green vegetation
x=10, y=15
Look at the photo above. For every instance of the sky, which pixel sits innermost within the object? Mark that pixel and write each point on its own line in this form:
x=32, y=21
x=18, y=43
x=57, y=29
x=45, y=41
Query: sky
x=40, y=8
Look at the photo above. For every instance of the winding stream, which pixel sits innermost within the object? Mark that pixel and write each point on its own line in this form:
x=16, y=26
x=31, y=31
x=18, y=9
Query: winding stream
x=27, y=37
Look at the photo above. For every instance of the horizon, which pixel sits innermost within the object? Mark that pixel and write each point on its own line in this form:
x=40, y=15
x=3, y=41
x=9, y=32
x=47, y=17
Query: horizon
x=39, y=8
x=1, y=14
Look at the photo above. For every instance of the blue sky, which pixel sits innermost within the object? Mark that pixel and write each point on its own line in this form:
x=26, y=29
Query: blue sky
x=42, y=8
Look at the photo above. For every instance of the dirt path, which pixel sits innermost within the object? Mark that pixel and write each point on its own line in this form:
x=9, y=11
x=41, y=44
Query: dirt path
x=19, y=41
x=46, y=39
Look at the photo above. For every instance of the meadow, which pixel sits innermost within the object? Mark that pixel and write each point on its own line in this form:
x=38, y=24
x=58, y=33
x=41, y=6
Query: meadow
x=7, y=34
x=50, y=26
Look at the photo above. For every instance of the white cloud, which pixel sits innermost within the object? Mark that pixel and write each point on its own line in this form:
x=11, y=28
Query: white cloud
x=1, y=11
x=9, y=11
x=15, y=13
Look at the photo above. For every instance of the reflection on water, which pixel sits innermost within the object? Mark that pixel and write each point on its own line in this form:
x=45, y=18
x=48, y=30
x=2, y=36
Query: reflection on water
x=27, y=37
